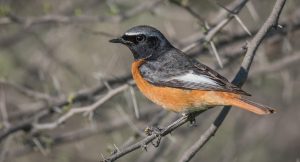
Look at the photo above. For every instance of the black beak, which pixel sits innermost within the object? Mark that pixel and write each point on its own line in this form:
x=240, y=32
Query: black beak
x=117, y=40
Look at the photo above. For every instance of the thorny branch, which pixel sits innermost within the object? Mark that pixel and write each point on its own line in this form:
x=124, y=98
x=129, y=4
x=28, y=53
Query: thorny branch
x=86, y=109
x=81, y=96
x=87, y=95
x=30, y=21
x=92, y=94
x=239, y=80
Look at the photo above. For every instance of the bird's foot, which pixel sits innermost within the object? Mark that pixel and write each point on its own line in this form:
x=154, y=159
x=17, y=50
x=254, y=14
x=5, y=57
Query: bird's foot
x=154, y=130
x=191, y=118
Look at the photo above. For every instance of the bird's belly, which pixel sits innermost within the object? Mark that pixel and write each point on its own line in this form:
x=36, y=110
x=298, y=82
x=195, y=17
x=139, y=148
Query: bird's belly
x=176, y=99
x=172, y=98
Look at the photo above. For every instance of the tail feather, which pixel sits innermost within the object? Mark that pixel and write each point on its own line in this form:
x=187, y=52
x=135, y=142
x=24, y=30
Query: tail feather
x=252, y=106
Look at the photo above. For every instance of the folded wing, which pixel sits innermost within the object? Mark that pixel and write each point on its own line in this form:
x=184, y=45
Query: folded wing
x=188, y=74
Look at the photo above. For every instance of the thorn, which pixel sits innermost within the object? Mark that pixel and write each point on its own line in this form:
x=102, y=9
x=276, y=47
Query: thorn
x=39, y=145
x=287, y=46
x=245, y=47
x=116, y=148
x=91, y=115
x=144, y=147
x=106, y=84
x=242, y=24
x=103, y=157
x=252, y=11
x=215, y=52
x=113, y=152
x=135, y=104
x=57, y=110
x=206, y=26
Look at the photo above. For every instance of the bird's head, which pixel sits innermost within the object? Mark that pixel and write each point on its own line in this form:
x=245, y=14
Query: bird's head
x=145, y=42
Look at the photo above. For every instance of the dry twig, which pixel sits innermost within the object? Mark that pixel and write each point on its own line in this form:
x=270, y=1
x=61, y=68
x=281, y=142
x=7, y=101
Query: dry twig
x=240, y=78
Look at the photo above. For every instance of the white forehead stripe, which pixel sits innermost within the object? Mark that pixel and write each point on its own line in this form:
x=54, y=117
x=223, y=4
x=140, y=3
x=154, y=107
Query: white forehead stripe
x=190, y=77
x=132, y=33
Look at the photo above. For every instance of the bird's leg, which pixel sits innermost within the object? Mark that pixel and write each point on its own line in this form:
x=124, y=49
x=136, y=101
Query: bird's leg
x=192, y=117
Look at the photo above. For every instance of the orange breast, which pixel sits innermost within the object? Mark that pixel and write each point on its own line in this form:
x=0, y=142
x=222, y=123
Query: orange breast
x=176, y=99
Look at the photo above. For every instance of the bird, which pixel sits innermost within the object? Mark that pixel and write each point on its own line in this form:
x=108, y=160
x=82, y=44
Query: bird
x=170, y=78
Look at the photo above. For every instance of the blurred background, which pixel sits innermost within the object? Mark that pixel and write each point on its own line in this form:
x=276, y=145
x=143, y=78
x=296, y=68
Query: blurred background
x=55, y=57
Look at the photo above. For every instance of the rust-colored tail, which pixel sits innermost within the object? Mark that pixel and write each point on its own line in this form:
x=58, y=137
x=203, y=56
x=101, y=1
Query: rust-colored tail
x=252, y=106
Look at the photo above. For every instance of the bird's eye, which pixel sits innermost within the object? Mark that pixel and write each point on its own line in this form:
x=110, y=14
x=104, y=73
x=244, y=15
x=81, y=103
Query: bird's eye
x=140, y=38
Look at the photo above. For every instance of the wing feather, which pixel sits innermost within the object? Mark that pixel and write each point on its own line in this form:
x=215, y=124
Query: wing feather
x=187, y=74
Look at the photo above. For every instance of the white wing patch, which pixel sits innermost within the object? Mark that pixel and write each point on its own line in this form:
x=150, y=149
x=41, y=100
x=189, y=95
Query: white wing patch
x=194, y=78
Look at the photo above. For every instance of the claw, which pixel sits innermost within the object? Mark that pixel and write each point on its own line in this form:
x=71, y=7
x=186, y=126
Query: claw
x=157, y=142
x=153, y=130
x=157, y=132
x=193, y=123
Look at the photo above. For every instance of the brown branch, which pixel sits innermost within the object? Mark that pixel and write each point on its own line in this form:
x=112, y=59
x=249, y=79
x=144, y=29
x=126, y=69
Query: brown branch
x=239, y=79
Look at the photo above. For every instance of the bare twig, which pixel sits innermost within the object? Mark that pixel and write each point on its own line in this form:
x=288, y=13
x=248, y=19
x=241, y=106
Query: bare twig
x=242, y=24
x=215, y=52
x=143, y=143
x=85, y=109
x=129, y=121
x=61, y=138
x=6, y=123
x=86, y=95
x=30, y=21
x=239, y=79
x=167, y=130
x=277, y=65
x=252, y=11
x=135, y=103
x=213, y=31
x=46, y=110
x=291, y=25
x=27, y=92
x=190, y=10
x=3, y=108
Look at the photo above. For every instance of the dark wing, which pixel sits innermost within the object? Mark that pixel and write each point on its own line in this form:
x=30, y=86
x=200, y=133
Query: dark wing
x=187, y=74
x=219, y=79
